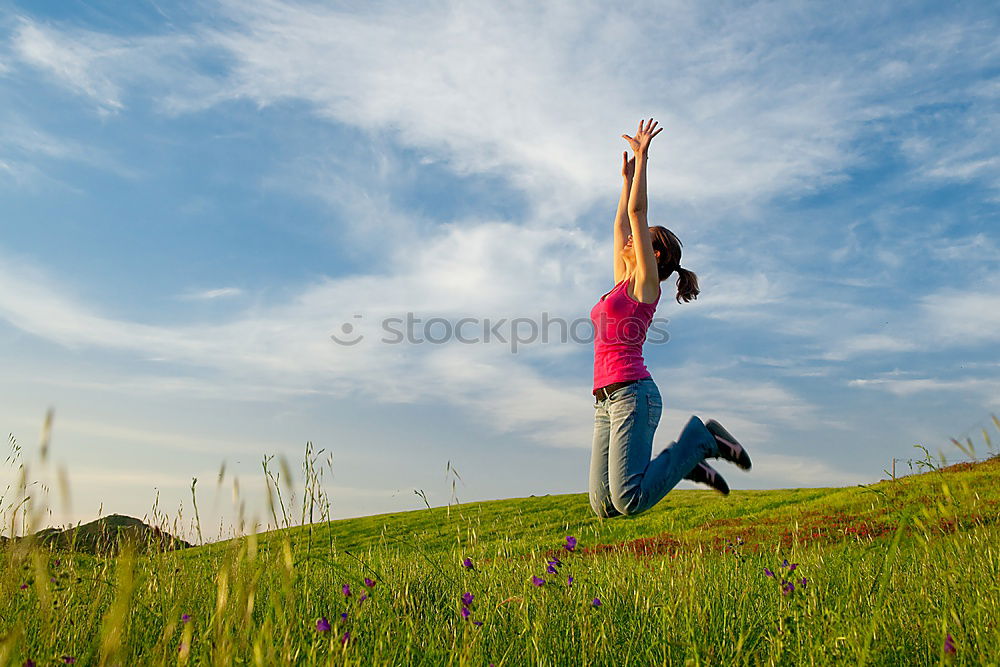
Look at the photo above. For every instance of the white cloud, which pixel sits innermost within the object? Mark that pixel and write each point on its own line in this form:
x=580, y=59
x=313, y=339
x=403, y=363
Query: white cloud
x=954, y=317
x=103, y=68
x=288, y=346
x=854, y=345
x=75, y=62
x=975, y=248
x=212, y=294
x=25, y=149
x=730, y=296
x=790, y=472
x=104, y=432
x=489, y=89
x=911, y=386
x=754, y=410
x=284, y=349
x=749, y=112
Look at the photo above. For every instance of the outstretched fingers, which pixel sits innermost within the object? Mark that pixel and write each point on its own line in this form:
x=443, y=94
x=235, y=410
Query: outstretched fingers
x=647, y=130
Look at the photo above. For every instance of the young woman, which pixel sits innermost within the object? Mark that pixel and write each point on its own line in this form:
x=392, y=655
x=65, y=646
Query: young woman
x=623, y=479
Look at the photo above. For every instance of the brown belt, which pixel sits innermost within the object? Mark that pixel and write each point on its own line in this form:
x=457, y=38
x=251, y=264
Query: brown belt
x=602, y=393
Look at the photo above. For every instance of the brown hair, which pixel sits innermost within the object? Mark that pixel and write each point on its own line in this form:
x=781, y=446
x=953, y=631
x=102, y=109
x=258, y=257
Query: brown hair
x=669, y=261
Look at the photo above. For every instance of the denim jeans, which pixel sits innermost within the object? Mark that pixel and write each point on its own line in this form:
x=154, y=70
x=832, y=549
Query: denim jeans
x=623, y=478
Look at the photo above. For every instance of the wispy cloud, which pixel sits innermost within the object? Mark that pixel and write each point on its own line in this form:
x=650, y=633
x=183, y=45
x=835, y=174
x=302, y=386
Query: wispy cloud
x=736, y=132
x=784, y=471
x=106, y=69
x=975, y=248
x=28, y=151
x=910, y=386
x=211, y=294
x=757, y=409
x=960, y=317
x=977, y=390
x=290, y=345
x=77, y=62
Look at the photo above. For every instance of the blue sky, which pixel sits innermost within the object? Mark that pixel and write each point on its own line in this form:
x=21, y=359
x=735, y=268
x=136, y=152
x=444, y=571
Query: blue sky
x=194, y=198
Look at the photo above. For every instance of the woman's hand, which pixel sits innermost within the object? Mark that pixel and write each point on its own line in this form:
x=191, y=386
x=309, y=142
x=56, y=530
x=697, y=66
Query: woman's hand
x=644, y=135
x=628, y=166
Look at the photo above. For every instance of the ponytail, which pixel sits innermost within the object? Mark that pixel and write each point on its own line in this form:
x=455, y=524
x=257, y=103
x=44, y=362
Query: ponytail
x=669, y=260
x=687, y=285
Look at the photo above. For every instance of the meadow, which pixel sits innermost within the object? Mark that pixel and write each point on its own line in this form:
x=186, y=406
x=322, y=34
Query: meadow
x=904, y=571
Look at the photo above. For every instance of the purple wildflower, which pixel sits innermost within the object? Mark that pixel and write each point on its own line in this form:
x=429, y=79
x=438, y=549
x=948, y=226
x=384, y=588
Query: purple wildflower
x=323, y=625
x=346, y=638
x=803, y=582
x=784, y=563
x=789, y=587
x=468, y=563
x=369, y=583
x=791, y=568
x=24, y=586
x=185, y=618
x=477, y=623
x=596, y=603
x=537, y=581
x=768, y=572
x=949, y=645
x=364, y=596
x=467, y=599
x=57, y=562
x=570, y=543
x=52, y=580
x=465, y=612
x=347, y=590
x=343, y=616
x=29, y=663
x=569, y=582
x=68, y=659
x=556, y=562
x=551, y=569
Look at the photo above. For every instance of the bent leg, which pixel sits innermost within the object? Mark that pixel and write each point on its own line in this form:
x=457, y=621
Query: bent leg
x=638, y=482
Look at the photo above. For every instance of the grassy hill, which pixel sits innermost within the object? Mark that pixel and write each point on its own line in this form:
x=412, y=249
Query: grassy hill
x=107, y=535
x=696, y=518
x=899, y=572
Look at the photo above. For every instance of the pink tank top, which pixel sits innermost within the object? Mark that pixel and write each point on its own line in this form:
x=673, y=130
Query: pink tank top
x=620, y=326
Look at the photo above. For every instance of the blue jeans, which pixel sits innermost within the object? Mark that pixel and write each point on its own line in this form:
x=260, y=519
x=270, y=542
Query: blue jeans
x=623, y=479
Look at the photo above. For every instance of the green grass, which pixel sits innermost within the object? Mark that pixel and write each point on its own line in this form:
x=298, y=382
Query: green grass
x=891, y=570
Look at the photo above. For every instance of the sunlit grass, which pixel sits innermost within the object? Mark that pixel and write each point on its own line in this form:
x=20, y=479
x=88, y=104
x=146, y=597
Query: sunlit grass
x=890, y=572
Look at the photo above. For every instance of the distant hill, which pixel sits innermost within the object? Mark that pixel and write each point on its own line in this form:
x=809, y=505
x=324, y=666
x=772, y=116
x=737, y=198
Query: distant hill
x=107, y=535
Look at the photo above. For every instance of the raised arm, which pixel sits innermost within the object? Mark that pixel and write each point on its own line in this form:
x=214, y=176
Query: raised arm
x=647, y=279
x=622, y=224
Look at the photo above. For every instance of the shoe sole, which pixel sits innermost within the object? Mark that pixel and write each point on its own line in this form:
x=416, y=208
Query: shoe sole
x=742, y=458
x=709, y=476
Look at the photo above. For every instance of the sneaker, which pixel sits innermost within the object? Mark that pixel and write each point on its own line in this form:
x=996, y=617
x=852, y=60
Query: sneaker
x=706, y=474
x=729, y=448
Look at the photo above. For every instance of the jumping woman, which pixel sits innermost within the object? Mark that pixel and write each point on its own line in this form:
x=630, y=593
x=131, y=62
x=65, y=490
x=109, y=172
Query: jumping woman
x=623, y=479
